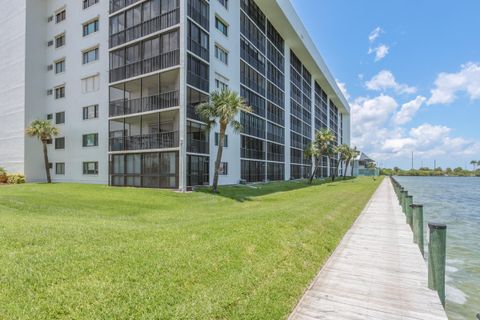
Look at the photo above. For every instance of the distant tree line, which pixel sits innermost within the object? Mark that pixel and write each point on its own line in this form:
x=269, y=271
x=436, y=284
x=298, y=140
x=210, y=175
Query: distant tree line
x=456, y=172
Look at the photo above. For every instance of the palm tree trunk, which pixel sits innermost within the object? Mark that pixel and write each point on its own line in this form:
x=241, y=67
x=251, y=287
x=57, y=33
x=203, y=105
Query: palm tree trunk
x=346, y=167
x=353, y=164
x=314, y=169
x=218, y=161
x=332, y=171
x=45, y=159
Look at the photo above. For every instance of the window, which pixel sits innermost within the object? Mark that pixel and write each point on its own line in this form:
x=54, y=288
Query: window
x=90, y=140
x=50, y=165
x=60, y=66
x=60, y=16
x=60, y=168
x=90, y=167
x=59, y=143
x=221, y=85
x=221, y=26
x=60, y=92
x=90, y=55
x=90, y=112
x=225, y=141
x=60, y=117
x=224, y=3
x=198, y=41
x=221, y=54
x=89, y=3
x=49, y=116
x=60, y=40
x=223, y=168
x=91, y=84
x=90, y=27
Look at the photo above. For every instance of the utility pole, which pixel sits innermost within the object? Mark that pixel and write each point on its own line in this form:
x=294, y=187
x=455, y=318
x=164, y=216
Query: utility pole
x=434, y=164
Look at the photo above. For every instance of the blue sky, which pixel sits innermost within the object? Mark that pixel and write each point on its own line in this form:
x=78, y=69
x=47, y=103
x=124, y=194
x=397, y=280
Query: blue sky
x=411, y=70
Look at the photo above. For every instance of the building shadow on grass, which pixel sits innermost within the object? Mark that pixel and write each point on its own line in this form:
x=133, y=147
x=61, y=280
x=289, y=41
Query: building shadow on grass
x=248, y=192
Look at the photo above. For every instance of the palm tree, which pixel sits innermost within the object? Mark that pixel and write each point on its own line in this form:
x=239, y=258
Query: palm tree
x=44, y=131
x=223, y=108
x=345, y=153
x=312, y=152
x=474, y=164
x=324, y=141
x=355, y=154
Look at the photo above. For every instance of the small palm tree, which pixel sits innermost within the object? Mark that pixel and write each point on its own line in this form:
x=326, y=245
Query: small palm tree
x=312, y=152
x=44, y=131
x=222, y=108
x=355, y=154
x=345, y=153
x=324, y=142
x=474, y=164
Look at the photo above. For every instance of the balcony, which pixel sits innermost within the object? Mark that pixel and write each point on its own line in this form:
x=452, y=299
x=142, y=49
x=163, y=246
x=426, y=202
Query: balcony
x=156, y=102
x=164, y=21
x=161, y=140
x=162, y=61
x=116, y=5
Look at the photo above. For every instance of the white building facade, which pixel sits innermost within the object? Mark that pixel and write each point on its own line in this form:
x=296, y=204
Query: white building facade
x=121, y=80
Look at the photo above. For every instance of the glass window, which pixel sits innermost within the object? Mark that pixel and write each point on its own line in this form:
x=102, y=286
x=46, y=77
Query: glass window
x=223, y=168
x=221, y=26
x=60, y=168
x=90, y=55
x=221, y=54
x=91, y=84
x=217, y=139
x=60, y=117
x=90, y=140
x=220, y=85
x=60, y=143
x=90, y=112
x=60, y=16
x=60, y=66
x=224, y=3
x=90, y=27
x=90, y=168
x=89, y=3
x=60, y=40
x=60, y=92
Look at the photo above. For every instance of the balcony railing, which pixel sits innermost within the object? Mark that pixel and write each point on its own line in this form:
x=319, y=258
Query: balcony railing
x=252, y=154
x=116, y=5
x=157, y=102
x=145, y=142
x=164, y=21
x=197, y=146
x=162, y=61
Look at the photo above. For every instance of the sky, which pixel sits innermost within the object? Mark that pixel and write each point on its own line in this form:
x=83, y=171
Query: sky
x=411, y=73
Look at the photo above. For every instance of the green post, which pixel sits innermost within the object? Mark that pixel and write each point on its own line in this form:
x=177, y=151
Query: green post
x=418, y=226
x=403, y=200
x=408, y=210
x=437, y=252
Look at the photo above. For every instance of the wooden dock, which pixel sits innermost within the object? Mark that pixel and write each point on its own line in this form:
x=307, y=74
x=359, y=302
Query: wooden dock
x=375, y=273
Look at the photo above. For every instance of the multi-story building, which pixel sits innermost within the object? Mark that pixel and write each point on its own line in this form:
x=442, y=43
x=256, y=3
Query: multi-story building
x=122, y=78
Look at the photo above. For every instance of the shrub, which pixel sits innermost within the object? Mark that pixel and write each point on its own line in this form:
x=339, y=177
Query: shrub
x=15, y=179
x=3, y=175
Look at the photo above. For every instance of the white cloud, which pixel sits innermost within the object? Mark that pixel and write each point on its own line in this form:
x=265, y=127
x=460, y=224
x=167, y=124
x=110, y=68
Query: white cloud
x=408, y=110
x=375, y=34
x=447, y=85
x=374, y=133
x=386, y=80
x=369, y=117
x=380, y=52
x=343, y=88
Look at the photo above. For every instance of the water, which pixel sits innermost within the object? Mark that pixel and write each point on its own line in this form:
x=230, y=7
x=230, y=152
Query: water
x=456, y=202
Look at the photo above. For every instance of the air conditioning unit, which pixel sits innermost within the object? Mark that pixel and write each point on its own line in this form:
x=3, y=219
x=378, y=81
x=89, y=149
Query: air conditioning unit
x=50, y=43
x=49, y=92
x=50, y=19
x=50, y=67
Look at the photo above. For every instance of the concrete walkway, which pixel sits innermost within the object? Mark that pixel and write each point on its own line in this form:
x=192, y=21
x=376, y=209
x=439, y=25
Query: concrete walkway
x=375, y=273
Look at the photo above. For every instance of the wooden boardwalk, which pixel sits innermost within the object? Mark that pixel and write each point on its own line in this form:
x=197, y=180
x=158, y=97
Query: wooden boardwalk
x=375, y=273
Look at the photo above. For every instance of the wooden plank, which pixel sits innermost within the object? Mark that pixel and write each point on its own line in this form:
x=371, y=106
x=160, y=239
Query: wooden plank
x=376, y=272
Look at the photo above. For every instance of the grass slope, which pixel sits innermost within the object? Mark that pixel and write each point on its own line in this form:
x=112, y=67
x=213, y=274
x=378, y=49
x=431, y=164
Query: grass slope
x=95, y=252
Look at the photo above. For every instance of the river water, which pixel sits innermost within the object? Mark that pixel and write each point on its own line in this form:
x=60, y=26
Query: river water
x=454, y=201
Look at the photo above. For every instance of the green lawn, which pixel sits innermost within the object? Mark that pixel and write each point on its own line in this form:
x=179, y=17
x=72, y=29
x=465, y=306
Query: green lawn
x=96, y=252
